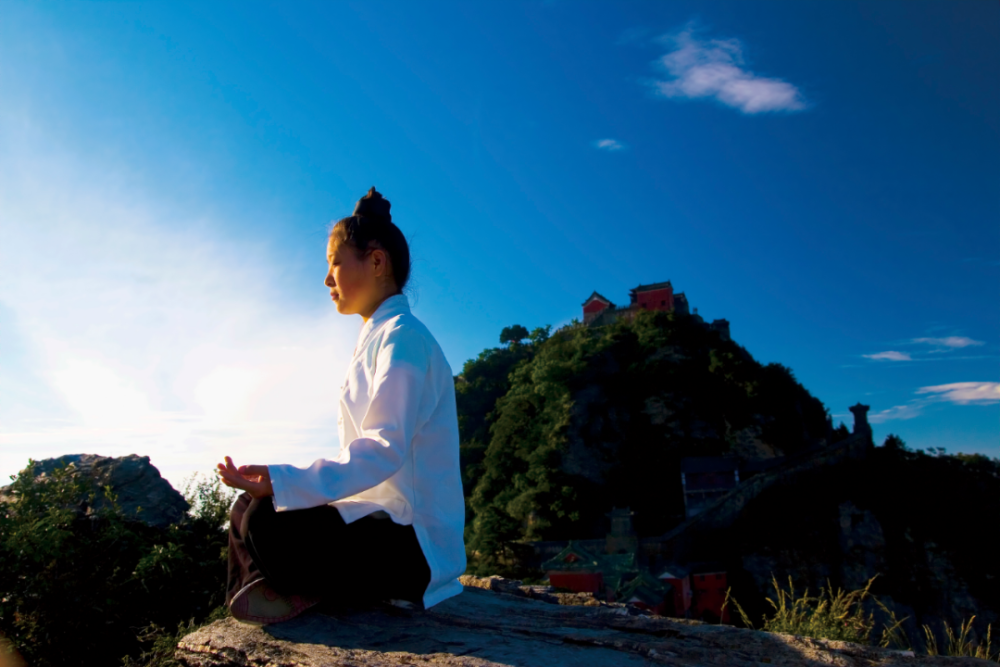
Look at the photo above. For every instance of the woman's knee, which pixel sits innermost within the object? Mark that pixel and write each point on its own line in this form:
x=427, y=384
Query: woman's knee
x=238, y=509
x=259, y=516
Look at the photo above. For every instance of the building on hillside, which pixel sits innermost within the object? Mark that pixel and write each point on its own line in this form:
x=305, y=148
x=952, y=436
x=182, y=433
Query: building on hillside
x=617, y=576
x=584, y=570
x=579, y=570
x=598, y=310
x=648, y=592
x=709, y=588
x=705, y=479
x=576, y=569
x=622, y=538
x=679, y=579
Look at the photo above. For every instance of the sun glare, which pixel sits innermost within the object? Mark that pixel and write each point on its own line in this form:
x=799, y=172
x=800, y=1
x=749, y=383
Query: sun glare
x=224, y=394
x=100, y=395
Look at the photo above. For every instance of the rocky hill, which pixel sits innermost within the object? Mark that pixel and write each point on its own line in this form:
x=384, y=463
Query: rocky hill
x=588, y=419
x=496, y=624
x=556, y=430
x=141, y=492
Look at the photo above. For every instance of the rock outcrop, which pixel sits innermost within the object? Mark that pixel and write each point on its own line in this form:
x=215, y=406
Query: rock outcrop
x=496, y=623
x=142, y=493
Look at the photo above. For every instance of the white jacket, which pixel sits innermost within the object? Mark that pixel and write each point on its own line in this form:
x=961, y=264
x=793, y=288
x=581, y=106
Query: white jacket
x=399, y=445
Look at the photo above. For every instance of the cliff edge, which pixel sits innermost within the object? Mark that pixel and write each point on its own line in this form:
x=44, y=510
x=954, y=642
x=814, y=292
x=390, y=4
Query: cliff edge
x=494, y=623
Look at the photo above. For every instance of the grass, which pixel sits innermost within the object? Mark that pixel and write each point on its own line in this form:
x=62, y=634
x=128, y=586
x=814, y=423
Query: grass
x=961, y=644
x=840, y=615
x=164, y=642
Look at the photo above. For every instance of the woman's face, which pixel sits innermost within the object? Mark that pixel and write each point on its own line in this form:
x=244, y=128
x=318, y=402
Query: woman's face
x=357, y=284
x=349, y=278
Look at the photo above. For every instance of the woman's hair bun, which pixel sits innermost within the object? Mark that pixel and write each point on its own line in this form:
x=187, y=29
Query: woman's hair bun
x=373, y=205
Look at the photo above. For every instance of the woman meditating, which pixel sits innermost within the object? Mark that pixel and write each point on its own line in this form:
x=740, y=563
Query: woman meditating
x=384, y=520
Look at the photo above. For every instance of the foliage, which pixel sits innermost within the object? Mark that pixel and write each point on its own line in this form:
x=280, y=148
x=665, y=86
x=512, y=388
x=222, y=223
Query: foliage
x=210, y=500
x=839, y=615
x=513, y=335
x=931, y=548
x=833, y=614
x=483, y=380
x=76, y=582
x=840, y=433
x=163, y=643
x=961, y=643
x=558, y=430
x=895, y=443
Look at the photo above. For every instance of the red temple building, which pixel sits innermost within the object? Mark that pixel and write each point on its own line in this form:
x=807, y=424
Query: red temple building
x=598, y=310
x=679, y=580
x=709, y=596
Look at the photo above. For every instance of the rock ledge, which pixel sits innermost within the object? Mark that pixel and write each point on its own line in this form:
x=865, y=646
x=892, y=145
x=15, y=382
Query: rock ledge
x=488, y=626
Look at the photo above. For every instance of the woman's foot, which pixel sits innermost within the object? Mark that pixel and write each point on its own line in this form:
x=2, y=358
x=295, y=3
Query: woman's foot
x=259, y=604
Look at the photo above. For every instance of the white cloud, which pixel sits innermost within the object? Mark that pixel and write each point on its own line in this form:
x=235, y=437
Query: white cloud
x=964, y=393
x=608, y=145
x=716, y=69
x=949, y=341
x=907, y=411
x=144, y=330
x=890, y=355
x=961, y=393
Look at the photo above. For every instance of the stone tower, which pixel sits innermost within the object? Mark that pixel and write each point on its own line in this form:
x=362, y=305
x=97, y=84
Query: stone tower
x=622, y=538
x=861, y=424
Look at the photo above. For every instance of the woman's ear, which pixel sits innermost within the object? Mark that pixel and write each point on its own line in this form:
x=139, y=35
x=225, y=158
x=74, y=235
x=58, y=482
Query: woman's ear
x=380, y=263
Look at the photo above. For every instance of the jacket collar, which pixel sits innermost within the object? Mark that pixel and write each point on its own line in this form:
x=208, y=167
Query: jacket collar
x=397, y=304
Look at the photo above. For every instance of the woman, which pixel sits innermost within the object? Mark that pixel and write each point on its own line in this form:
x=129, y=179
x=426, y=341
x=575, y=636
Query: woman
x=384, y=520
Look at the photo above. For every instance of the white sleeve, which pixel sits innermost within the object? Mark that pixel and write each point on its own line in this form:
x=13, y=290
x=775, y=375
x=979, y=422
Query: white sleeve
x=387, y=429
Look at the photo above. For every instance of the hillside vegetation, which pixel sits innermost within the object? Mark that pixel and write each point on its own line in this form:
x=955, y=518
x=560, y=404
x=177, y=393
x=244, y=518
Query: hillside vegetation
x=94, y=589
x=923, y=525
x=556, y=430
x=559, y=429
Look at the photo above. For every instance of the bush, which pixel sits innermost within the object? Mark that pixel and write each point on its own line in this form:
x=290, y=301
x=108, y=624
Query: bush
x=840, y=615
x=75, y=583
x=961, y=643
x=833, y=614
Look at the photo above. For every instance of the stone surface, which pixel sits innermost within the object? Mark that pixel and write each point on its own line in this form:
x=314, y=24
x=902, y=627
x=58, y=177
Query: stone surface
x=496, y=623
x=133, y=478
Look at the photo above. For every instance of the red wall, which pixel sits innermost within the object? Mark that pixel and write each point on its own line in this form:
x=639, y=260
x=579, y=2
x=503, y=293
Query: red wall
x=682, y=596
x=709, y=595
x=660, y=299
x=594, y=306
x=578, y=582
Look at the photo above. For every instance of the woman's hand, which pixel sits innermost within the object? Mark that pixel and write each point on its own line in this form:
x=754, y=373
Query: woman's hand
x=255, y=480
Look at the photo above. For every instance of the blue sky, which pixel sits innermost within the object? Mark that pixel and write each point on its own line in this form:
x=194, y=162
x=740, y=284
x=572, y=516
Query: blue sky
x=824, y=175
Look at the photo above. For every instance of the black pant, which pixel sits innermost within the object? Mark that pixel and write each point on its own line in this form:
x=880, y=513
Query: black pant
x=313, y=552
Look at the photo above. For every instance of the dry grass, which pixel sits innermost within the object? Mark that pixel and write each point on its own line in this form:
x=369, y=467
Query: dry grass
x=838, y=614
x=833, y=614
x=961, y=644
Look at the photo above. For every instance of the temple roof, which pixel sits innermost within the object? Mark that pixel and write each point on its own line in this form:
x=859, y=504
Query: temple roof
x=673, y=571
x=573, y=557
x=649, y=288
x=645, y=588
x=614, y=567
x=599, y=296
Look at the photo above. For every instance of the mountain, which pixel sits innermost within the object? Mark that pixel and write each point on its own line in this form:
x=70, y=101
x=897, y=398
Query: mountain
x=558, y=429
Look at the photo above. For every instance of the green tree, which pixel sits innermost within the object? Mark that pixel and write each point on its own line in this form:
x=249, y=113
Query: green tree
x=895, y=443
x=75, y=583
x=591, y=417
x=513, y=335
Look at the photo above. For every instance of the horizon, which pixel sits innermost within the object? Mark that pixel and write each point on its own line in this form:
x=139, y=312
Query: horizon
x=822, y=176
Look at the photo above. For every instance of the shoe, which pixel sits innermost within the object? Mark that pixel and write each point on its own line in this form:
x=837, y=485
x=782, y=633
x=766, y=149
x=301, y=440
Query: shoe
x=259, y=604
